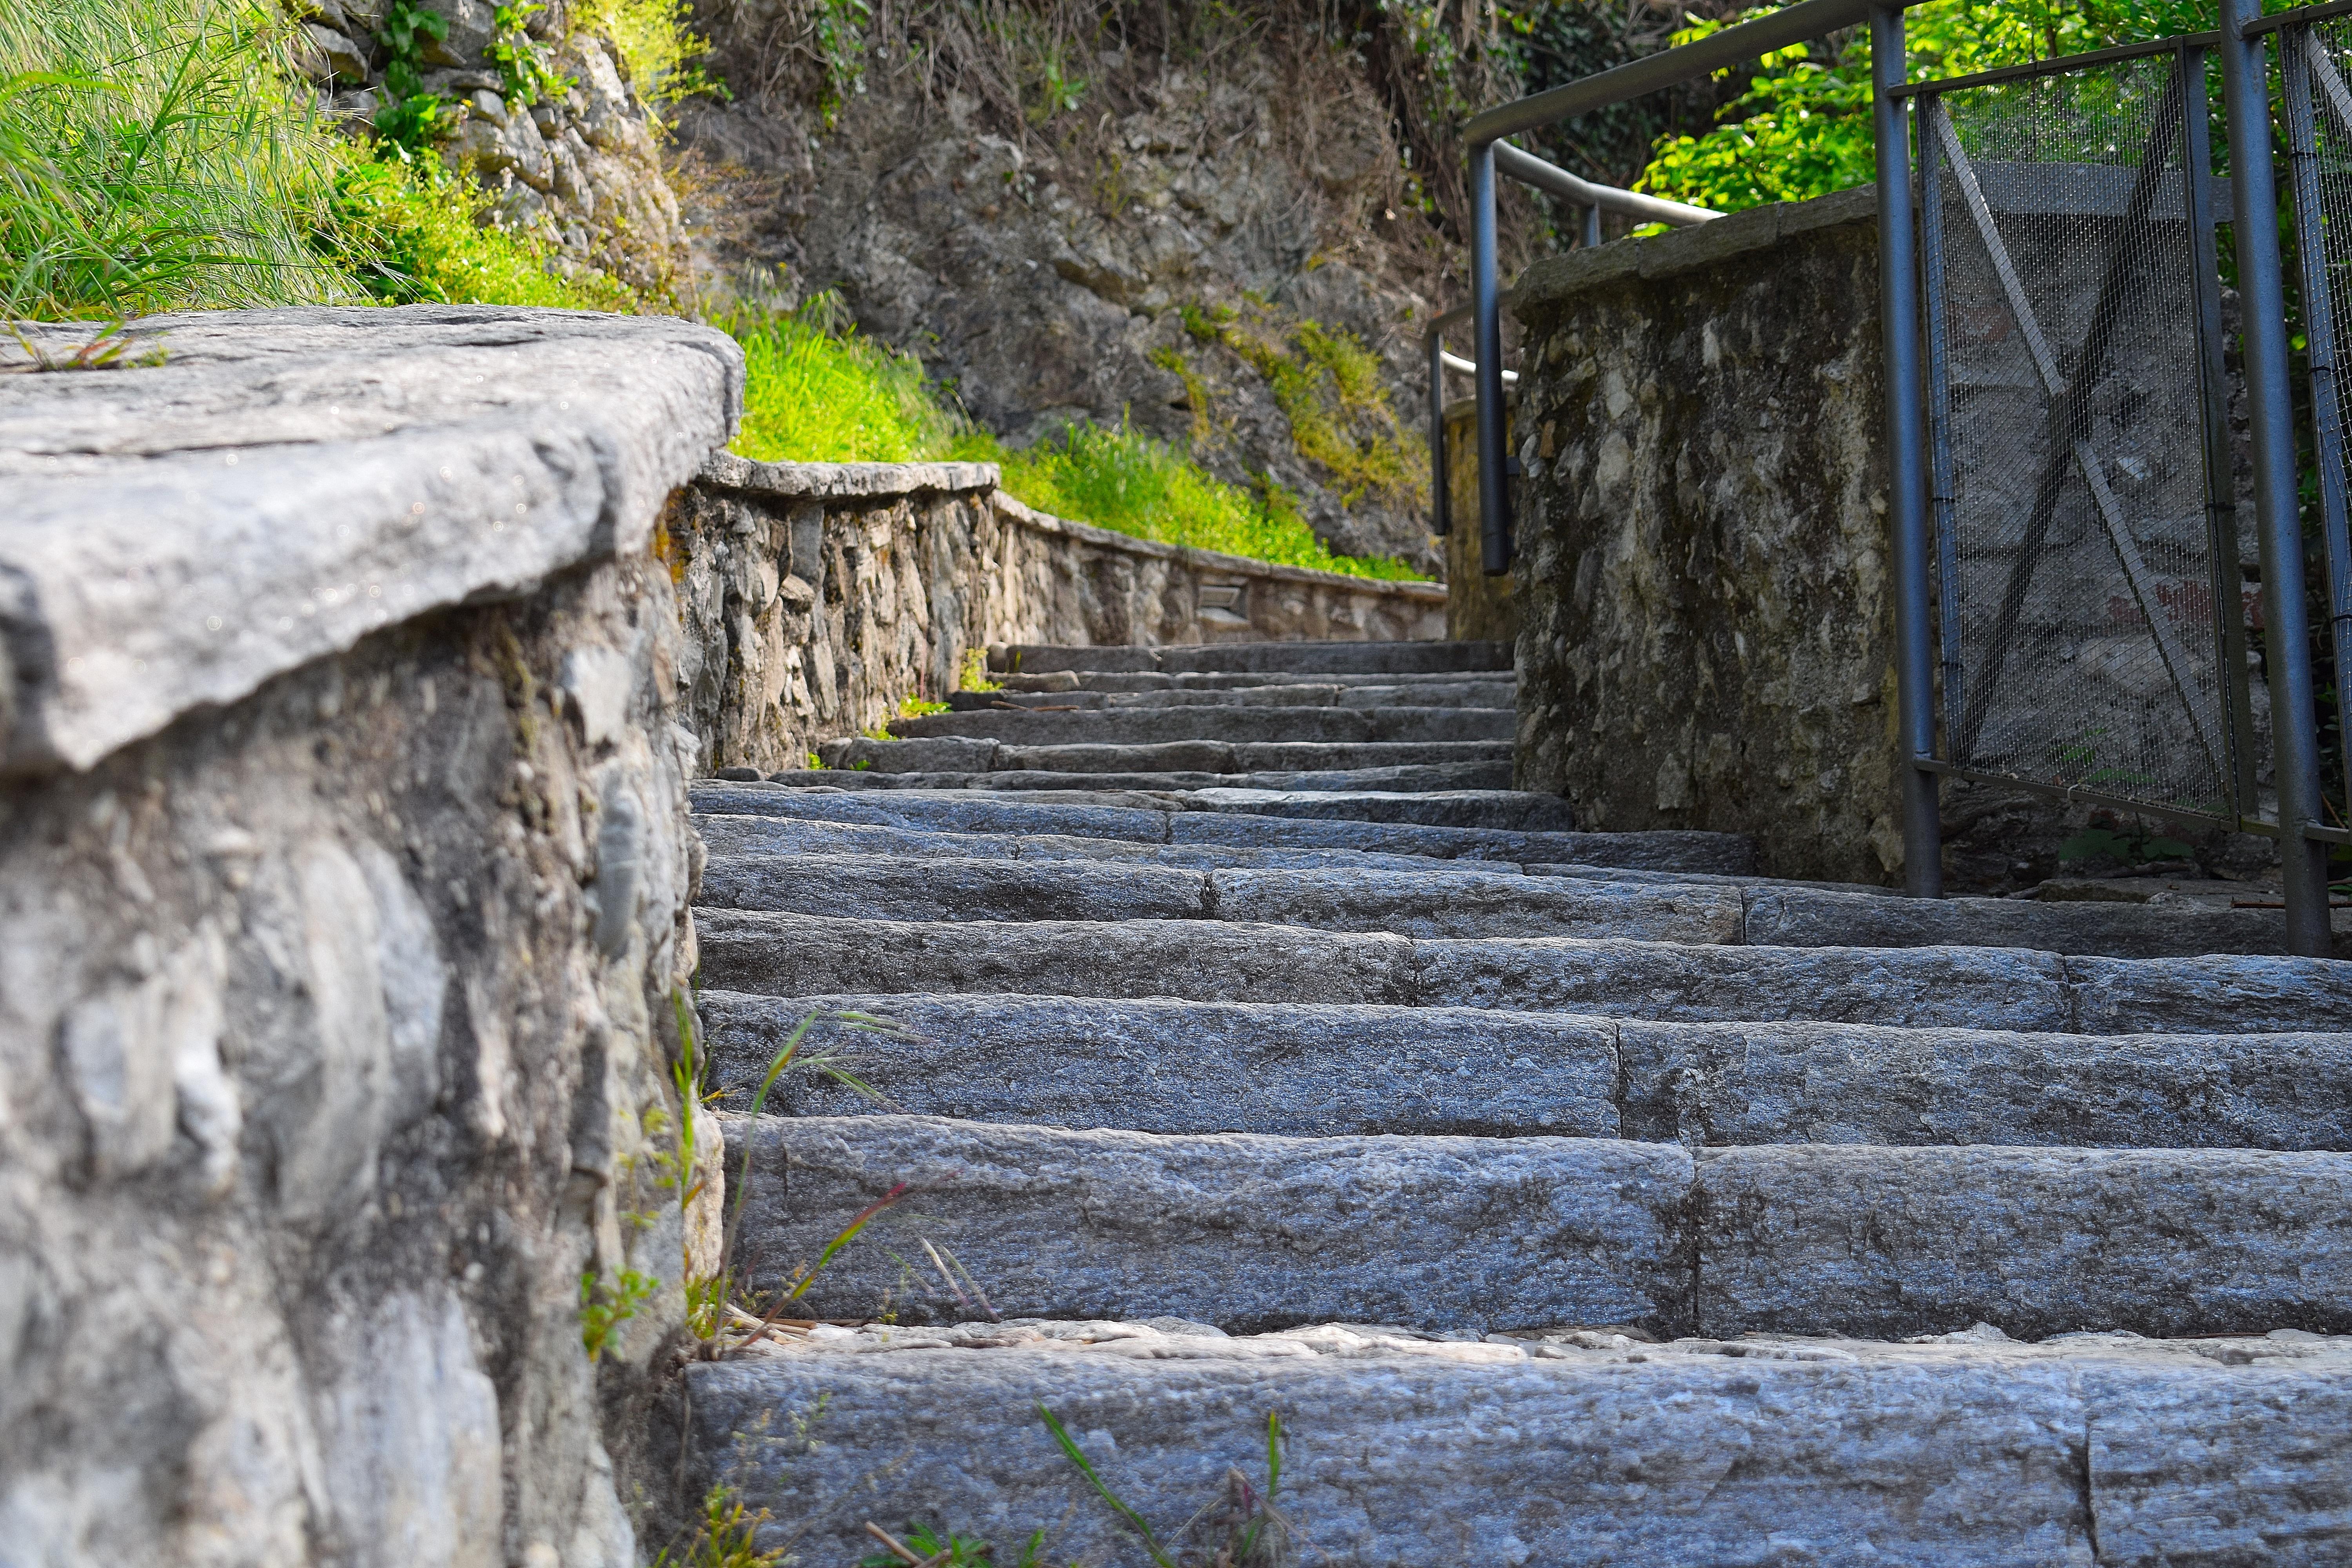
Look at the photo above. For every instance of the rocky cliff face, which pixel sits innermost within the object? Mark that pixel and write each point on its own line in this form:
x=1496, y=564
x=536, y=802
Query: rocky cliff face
x=1216, y=241
x=580, y=167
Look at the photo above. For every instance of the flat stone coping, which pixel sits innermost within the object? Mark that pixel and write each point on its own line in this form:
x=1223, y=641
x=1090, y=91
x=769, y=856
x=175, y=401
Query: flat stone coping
x=287, y=481
x=1544, y=286
x=897, y=481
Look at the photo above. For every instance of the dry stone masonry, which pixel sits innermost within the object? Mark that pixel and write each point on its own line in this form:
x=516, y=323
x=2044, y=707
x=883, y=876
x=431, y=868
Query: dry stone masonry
x=1566, y=1196
x=343, y=874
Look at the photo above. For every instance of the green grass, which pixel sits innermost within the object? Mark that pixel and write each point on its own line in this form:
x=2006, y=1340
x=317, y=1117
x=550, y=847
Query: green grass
x=153, y=156
x=819, y=397
x=407, y=230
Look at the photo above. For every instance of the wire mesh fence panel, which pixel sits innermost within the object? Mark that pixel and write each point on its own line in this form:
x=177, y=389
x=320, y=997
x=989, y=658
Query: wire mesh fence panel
x=2088, y=585
x=2316, y=62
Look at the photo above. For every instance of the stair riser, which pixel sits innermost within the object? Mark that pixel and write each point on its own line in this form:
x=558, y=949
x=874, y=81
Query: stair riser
x=1205, y=961
x=725, y=836
x=1453, y=901
x=1503, y=694
x=956, y=812
x=1317, y=1072
x=969, y=753
x=1302, y=658
x=1253, y=1233
x=1243, y=1232
x=1455, y=904
x=1903, y=1459
x=1155, y=726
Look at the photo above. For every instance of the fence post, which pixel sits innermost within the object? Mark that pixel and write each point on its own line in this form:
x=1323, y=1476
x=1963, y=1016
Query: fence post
x=1907, y=501
x=1441, y=514
x=2302, y=862
x=1487, y=331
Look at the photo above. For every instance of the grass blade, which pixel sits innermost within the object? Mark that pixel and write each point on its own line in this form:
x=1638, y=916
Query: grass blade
x=1078, y=1457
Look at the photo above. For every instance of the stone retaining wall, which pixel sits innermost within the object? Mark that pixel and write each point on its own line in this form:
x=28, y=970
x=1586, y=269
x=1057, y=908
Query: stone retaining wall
x=818, y=596
x=344, y=871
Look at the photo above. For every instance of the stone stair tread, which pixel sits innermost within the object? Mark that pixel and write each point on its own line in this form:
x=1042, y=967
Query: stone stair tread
x=980, y=754
x=1226, y=722
x=1508, y=810
x=1314, y=1070
x=1305, y=658
x=1237, y=680
x=1579, y=1447
x=1429, y=693
x=1175, y=821
x=1494, y=775
x=1216, y=960
x=1252, y=1231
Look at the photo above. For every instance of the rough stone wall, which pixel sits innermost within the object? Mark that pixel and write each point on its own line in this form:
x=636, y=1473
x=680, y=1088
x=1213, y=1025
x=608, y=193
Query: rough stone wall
x=583, y=171
x=819, y=597
x=343, y=872
x=1706, y=633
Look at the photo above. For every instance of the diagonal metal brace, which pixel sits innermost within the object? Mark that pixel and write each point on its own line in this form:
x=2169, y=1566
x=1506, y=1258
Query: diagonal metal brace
x=2045, y=362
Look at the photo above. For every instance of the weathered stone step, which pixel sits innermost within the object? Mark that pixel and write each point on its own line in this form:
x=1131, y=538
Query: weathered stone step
x=1402, y=1451
x=1510, y=810
x=1458, y=901
x=1453, y=777
x=959, y=811
x=1251, y=1231
x=1301, y=657
x=1236, y=679
x=1218, y=721
x=1428, y=692
x=977, y=754
x=1430, y=899
x=1215, y=961
x=1323, y=1070
x=751, y=836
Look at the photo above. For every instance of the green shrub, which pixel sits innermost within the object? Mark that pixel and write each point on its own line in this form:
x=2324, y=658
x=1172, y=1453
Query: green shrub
x=410, y=230
x=156, y=156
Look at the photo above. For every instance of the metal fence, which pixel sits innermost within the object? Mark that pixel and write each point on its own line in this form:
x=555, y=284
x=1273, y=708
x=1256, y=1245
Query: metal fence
x=2066, y=540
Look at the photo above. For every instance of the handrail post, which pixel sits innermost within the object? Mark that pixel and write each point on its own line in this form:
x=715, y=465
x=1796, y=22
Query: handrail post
x=1911, y=549
x=2303, y=863
x=1487, y=331
x=1441, y=518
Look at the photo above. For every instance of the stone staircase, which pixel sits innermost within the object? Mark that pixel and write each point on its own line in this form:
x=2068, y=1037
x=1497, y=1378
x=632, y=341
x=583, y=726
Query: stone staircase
x=1568, y=1198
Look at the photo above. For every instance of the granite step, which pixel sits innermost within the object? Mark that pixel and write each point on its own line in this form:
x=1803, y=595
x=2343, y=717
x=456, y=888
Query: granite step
x=752, y=870
x=1435, y=777
x=1458, y=901
x=1299, y=658
x=1252, y=1232
x=1217, y=961
x=1405, y=1450
x=1235, y=822
x=977, y=754
x=1236, y=680
x=1325, y=1070
x=752, y=835
x=1220, y=721
x=1428, y=692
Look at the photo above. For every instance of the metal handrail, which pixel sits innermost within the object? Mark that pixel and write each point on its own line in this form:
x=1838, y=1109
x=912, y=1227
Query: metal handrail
x=1594, y=198
x=2243, y=48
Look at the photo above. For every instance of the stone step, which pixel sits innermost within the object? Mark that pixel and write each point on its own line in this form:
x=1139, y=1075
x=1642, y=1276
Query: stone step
x=1216, y=960
x=964, y=811
x=1512, y=810
x=1429, y=692
x=1486, y=777
x=1577, y=1448
x=755, y=836
x=1251, y=1231
x=1299, y=657
x=975, y=754
x=1459, y=901
x=1437, y=898
x=1168, y=1067
x=1224, y=722
x=1236, y=680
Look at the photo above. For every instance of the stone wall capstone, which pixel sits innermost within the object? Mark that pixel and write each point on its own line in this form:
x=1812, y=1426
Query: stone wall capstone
x=344, y=864
x=820, y=595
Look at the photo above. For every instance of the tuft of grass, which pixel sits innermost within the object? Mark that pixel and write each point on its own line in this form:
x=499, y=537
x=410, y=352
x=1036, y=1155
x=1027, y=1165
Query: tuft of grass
x=412, y=231
x=820, y=396
x=973, y=675
x=1256, y=1534
x=727, y=1536
x=156, y=155
x=927, y=1548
